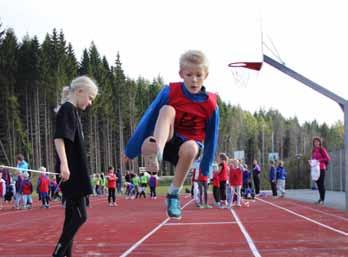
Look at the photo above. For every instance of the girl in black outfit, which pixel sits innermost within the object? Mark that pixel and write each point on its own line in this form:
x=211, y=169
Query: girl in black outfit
x=71, y=161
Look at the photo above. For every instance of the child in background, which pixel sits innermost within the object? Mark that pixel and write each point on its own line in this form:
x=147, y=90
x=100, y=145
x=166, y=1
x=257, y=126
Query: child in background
x=216, y=188
x=194, y=180
x=111, y=182
x=281, y=177
x=273, y=177
x=223, y=177
x=180, y=124
x=136, y=183
x=43, y=186
x=10, y=192
x=203, y=190
x=153, y=181
x=2, y=190
x=18, y=187
x=97, y=184
x=71, y=161
x=27, y=190
x=102, y=183
x=54, y=189
x=236, y=180
x=143, y=183
x=130, y=190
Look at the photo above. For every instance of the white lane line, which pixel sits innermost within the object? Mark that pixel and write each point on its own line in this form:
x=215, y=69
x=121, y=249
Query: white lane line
x=200, y=223
x=134, y=246
x=250, y=242
x=306, y=218
x=322, y=212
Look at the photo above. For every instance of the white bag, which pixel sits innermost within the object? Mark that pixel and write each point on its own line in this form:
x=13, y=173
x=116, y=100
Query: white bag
x=315, y=169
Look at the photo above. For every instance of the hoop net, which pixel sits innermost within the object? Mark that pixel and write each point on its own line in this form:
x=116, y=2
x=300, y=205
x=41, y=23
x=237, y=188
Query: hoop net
x=243, y=71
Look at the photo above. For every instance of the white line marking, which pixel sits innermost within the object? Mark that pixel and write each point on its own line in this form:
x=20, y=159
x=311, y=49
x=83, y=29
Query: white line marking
x=306, y=218
x=200, y=223
x=134, y=246
x=322, y=212
x=250, y=242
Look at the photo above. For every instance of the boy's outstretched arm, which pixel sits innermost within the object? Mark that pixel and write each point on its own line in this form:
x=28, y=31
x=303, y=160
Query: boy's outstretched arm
x=210, y=142
x=146, y=124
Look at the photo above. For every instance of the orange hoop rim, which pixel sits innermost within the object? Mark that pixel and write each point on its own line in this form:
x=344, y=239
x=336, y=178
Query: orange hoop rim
x=247, y=65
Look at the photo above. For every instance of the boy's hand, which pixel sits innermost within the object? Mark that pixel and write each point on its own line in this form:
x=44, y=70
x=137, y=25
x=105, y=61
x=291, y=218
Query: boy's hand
x=64, y=172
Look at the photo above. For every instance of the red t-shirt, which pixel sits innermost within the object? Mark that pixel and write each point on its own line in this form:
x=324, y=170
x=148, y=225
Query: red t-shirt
x=44, y=184
x=236, y=176
x=27, y=188
x=216, y=180
x=223, y=175
x=112, y=180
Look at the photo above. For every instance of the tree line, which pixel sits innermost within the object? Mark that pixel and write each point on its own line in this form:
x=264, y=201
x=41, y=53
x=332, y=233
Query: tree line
x=32, y=75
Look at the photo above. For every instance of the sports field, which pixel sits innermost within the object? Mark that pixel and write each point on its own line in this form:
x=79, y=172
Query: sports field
x=140, y=227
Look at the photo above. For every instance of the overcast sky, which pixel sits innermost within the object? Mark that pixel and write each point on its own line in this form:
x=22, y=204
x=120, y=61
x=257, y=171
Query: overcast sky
x=150, y=35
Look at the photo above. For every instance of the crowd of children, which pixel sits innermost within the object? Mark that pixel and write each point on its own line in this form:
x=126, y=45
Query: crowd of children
x=16, y=189
x=134, y=185
x=233, y=182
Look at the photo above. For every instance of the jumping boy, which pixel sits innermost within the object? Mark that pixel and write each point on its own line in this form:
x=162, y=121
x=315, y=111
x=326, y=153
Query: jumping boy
x=180, y=123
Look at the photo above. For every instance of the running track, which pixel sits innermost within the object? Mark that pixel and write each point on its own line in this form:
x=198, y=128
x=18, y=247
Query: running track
x=269, y=227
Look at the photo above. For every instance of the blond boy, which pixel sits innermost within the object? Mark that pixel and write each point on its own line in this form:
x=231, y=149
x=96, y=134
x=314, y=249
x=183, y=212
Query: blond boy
x=180, y=124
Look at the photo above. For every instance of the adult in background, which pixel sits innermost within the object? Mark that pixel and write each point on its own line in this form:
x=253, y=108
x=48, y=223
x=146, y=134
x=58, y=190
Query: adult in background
x=256, y=176
x=320, y=153
x=21, y=164
x=119, y=181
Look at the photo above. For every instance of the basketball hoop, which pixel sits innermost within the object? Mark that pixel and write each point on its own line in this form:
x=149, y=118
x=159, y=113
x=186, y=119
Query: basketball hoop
x=243, y=71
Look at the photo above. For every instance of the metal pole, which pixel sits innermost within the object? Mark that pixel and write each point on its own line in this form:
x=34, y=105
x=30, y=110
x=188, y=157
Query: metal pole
x=341, y=101
x=345, y=168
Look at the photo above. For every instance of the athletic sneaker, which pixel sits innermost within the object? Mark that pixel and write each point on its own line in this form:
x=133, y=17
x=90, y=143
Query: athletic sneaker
x=207, y=206
x=173, y=206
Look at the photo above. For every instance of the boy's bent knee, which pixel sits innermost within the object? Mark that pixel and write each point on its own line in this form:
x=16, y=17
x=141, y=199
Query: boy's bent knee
x=189, y=149
x=167, y=110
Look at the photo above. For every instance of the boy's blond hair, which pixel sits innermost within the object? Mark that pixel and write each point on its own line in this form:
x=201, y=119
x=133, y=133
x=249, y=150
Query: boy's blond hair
x=195, y=57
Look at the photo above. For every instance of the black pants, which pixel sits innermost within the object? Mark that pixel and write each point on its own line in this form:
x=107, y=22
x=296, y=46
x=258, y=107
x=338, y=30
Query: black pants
x=223, y=190
x=216, y=193
x=274, y=188
x=75, y=216
x=152, y=191
x=111, y=195
x=256, y=183
x=321, y=185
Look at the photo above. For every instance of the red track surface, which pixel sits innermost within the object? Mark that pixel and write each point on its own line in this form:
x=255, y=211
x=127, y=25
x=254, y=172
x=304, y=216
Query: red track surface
x=269, y=227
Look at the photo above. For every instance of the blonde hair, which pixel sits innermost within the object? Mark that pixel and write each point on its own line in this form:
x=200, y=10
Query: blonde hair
x=77, y=83
x=195, y=57
x=42, y=168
